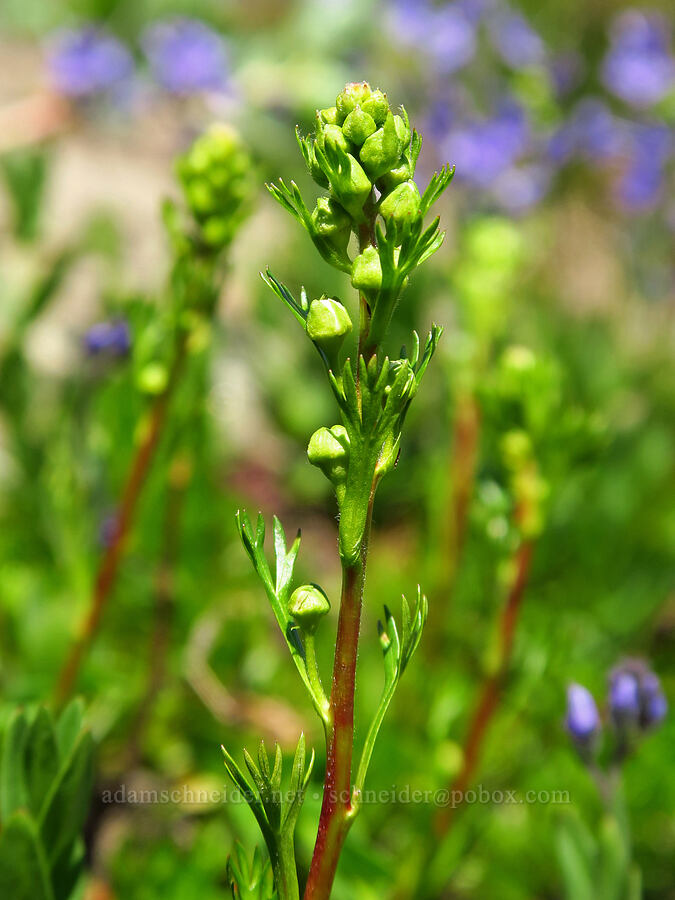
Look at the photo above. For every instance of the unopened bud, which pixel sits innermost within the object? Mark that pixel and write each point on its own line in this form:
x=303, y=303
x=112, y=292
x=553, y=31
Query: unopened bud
x=328, y=450
x=381, y=151
x=328, y=324
x=376, y=106
x=353, y=95
x=358, y=126
x=402, y=206
x=308, y=605
x=352, y=188
x=367, y=271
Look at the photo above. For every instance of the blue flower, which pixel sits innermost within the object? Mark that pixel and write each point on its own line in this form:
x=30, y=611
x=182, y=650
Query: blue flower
x=636, y=696
x=520, y=188
x=592, y=132
x=186, y=56
x=624, y=695
x=639, y=67
x=654, y=703
x=516, y=42
x=87, y=62
x=112, y=338
x=446, y=34
x=640, y=186
x=583, y=720
x=484, y=149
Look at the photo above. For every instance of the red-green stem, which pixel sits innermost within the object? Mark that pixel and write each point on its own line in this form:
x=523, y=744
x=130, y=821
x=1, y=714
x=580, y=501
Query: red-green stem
x=109, y=566
x=336, y=810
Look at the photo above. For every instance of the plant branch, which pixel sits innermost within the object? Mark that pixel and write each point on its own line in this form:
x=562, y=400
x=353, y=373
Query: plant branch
x=108, y=569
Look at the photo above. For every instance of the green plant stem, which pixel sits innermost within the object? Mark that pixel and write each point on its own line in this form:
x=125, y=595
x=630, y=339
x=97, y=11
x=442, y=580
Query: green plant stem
x=107, y=571
x=315, y=677
x=337, y=810
x=285, y=869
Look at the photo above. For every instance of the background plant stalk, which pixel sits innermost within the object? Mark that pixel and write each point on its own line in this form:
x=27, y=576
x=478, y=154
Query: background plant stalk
x=109, y=565
x=337, y=812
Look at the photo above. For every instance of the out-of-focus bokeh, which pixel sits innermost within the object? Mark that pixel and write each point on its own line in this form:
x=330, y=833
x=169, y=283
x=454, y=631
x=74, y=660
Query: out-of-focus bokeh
x=556, y=287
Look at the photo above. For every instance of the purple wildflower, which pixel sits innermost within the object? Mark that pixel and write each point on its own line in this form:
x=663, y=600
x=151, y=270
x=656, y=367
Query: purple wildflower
x=447, y=34
x=516, y=42
x=639, y=67
x=641, y=185
x=583, y=720
x=483, y=150
x=112, y=338
x=591, y=132
x=636, y=696
x=85, y=62
x=518, y=189
x=186, y=56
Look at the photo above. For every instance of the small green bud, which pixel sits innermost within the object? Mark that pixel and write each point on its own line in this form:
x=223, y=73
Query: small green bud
x=329, y=218
x=351, y=188
x=329, y=115
x=376, y=106
x=402, y=130
x=358, y=126
x=328, y=324
x=516, y=449
x=216, y=231
x=308, y=605
x=353, y=95
x=394, y=177
x=381, y=151
x=332, y=136
x=402, y=206
x=328, y=450
x=367, y=271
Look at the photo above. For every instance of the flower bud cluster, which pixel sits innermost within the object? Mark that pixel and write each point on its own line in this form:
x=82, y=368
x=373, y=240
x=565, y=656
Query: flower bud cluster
x=216, y=176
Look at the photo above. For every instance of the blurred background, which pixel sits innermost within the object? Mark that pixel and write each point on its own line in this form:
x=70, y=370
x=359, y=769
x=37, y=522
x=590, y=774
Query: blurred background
x=556, y=288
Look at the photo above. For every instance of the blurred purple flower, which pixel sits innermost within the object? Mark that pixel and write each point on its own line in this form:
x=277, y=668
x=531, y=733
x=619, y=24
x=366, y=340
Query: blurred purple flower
x=186, y=56
x=483, y=150
x=446, y=34
x=516, y=42
x=582, y=719
x=639, y=67
x=635, y=695
x=591, y=132
x=85, y=62
x=641, y=185
x=518, y=189
x=112, y=338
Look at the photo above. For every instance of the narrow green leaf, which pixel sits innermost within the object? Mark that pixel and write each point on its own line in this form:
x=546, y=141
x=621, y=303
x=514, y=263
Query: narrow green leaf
x=13, y=793
x=24, y=873
x=41, y=759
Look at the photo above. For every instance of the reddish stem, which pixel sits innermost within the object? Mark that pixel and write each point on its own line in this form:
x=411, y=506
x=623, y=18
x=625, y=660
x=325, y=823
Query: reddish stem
x=335, y=818
x=109, y=566
x=490, y=692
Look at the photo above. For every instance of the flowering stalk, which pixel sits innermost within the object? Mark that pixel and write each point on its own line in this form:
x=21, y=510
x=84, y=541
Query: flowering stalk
x=216, y=179
x=364, y=154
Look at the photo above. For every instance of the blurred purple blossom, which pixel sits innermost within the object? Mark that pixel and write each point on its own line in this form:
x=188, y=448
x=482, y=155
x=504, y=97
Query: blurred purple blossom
x=112, y=338
x=87, y=62
x=566, y=70
x=582, y=720
x=641, y=184
x=639, y=67
x=484, y=149
x=518, y=189
x=445, y=33
x=635, y=695
x=186, y=56
x=516, y=42
x=591, y=131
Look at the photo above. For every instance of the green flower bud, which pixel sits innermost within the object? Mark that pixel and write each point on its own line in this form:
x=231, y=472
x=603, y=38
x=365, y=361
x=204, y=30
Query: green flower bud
x=308, y=605
x=216, y=176
x=381, y=151
x=329, y=218
x=333, y=136
x=367, y=271
x=402, y=130
x=394, y=177
x=376, y=106
x=328, y=324
x=328, y=450
x=358, y=126
x=352, y=188
x=402, y=206
x=354, y=94
x=329, y=115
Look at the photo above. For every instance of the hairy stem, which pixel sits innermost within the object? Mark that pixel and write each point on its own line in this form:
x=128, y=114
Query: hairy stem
x=336, y=810
x=108, y=568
